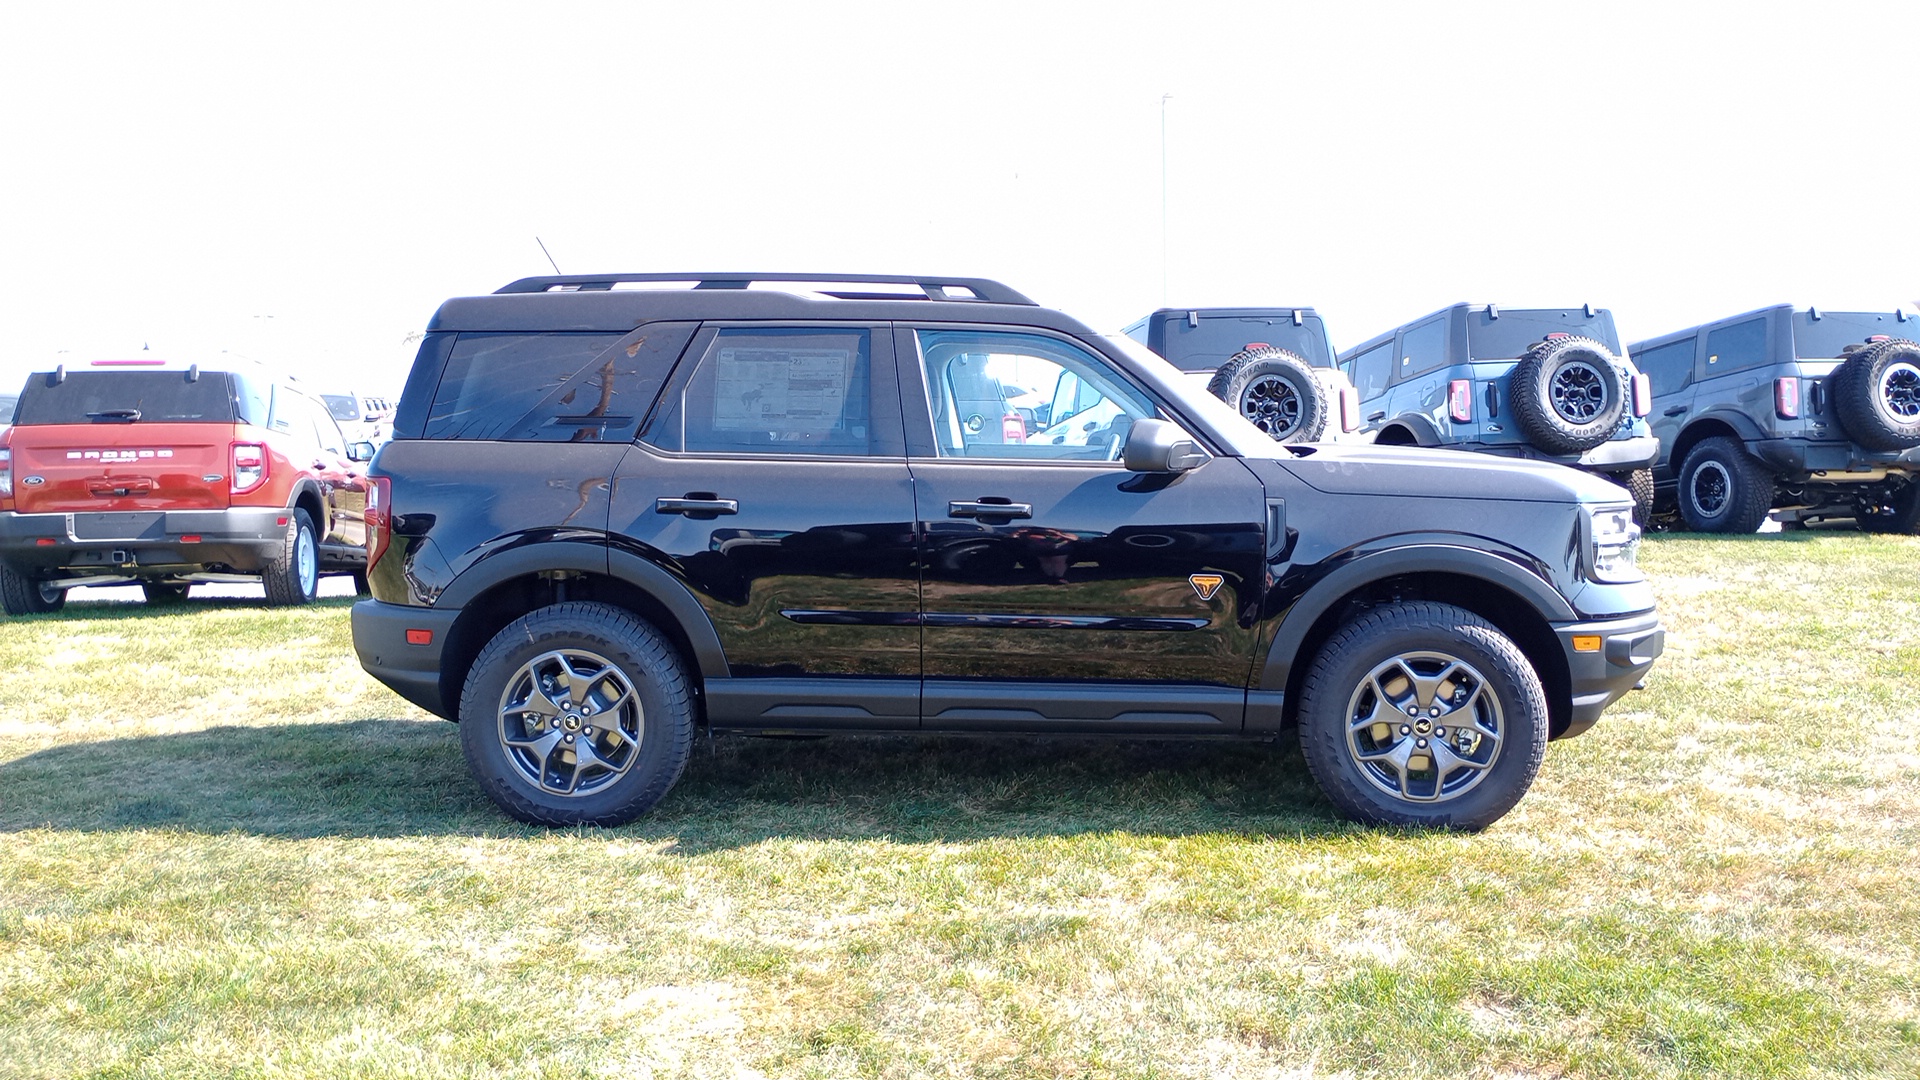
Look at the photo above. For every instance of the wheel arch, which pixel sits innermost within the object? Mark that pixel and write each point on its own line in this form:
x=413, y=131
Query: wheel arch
x=307, y=497
x=515, y=582
x=1414, y=429
x=1481, y=582
x=1732, y=425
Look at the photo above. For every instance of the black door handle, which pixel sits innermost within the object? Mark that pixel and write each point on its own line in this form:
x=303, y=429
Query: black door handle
x=1675, y=411
x=986, y=509
x=691, y=506
x=1376, y=416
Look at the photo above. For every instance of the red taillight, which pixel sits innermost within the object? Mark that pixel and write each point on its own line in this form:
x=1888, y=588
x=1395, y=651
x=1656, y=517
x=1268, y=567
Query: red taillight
x=1786, y=398
x=379, y=518
x=6, y=474
x=249, y=467
x=1642, y=394
x=1460, y=400
x=1012, y=428
x=419, y=637
x=1349, y=409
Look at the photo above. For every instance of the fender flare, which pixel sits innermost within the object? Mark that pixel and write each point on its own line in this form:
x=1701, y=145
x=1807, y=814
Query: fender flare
x=1422, y=426
x=595, y=558
x=1364, y=570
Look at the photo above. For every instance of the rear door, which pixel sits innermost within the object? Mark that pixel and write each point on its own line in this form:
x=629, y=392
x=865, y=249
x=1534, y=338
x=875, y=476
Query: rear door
x=122, y=440
x=1063, y=592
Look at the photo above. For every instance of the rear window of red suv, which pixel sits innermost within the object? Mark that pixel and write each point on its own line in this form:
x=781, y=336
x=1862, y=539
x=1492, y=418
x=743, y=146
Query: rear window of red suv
x=107, y=397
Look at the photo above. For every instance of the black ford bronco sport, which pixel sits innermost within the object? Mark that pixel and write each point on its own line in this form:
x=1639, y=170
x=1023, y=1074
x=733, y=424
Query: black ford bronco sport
x=620, y=509
x=1812, y=414
x=1550, y=384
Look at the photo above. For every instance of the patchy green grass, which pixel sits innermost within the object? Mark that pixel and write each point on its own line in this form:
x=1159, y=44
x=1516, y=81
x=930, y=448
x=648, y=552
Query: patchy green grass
x=226, y=852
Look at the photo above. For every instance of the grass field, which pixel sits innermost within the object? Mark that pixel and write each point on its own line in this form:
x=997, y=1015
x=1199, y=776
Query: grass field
x=224, y=851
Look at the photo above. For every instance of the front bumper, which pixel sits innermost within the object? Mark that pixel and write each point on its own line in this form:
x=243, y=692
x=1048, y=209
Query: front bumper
x=143, y=542
x=410, y=668
x=1605, y=660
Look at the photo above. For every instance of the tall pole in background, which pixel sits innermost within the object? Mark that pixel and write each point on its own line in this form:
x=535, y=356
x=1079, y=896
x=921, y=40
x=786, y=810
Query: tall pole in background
x=1163, y=198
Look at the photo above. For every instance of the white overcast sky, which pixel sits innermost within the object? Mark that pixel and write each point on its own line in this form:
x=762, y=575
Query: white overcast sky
x=305, y=183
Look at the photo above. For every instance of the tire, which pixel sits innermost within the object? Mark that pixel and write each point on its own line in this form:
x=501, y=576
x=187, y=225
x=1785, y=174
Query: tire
x=164, y=593
x=1639, y=484
x=1876, y=394
x=1901, y=514
x=1375, y=666
x=293, y=576
x=1723, y=489
x=21, y=595
x=1276, y=390
x=1569, y=395
x=613, y=654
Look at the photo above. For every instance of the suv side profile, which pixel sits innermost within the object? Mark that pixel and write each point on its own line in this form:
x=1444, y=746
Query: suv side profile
x=1275, y=365
x=1804, y=413
x=1550, y=384
x=168, y=473
x=619, y=509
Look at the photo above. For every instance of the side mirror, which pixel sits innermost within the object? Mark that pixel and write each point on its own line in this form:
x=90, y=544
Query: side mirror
x=360, y=451
x=1159, y=446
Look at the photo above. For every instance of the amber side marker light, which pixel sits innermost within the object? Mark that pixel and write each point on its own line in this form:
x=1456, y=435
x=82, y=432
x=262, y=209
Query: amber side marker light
x=1586, y=643
x=425, y=637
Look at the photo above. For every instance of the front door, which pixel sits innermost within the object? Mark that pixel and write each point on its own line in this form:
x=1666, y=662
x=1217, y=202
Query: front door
x=1062, y=592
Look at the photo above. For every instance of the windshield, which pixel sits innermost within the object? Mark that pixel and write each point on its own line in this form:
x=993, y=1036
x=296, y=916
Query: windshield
x=342, y=406
x=1241, y=437
x=1829, y=337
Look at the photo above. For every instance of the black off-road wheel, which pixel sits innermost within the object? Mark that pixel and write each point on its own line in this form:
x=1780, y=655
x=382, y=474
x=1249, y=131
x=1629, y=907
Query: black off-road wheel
x=577, y=714
x=164, y=592
x=1425, y=715
x=1569, y=395
x=22, y=595
x=1723, y=489
x=1639, y=483
x=293, y=576
x=1900, y=514
x=1876, y=393
x=1276, y=390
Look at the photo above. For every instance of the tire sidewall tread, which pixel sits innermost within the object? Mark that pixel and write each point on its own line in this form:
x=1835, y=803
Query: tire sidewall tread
x=1231, y=379
x=1749, y=499
x=1533, y=411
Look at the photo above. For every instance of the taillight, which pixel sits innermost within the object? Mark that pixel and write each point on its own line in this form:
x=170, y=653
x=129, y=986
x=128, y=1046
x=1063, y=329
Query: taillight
x=1012, y=428
x=1786, y=398
x=379, y=518
x=1642, y=394
x=1349, y=409
x=249, y=467
x=6, y=474
x=1460, y=400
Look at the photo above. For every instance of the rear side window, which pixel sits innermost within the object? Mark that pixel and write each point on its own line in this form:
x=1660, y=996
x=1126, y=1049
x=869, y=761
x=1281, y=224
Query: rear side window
x=1423, y=348
x=775, y=391
x=1371, y=369
x=556, y=387
x=1738, y=347
x=1668, y=367
x=90, y=397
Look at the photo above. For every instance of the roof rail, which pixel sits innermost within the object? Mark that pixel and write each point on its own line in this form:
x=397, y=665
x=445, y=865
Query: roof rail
x=973, y=290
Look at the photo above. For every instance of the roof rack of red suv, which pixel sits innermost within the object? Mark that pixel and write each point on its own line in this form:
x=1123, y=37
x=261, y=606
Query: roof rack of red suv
x=839, y=286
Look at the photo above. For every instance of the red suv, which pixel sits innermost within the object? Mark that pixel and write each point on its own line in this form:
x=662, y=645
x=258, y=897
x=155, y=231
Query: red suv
x=169, y=473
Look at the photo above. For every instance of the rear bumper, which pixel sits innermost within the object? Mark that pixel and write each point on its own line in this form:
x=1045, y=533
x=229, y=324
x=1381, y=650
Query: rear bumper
x=409, y=669
x=1614, y=455
x=1801, y=460
x=1601, y=676
x=145, y=543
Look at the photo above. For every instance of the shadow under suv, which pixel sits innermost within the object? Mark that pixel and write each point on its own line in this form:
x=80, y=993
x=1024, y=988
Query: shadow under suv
x=620, y=509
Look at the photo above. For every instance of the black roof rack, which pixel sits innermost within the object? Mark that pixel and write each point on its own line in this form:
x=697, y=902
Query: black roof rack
x=974, y=290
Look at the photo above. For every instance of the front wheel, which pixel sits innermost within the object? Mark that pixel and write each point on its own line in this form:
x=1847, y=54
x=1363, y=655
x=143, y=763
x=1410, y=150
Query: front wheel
x=1423, y=714
x=577, y=714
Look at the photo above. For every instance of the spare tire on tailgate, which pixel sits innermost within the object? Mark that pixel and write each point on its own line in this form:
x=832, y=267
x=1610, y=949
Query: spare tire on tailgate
x=1569, y=394
x=1876, y=393
x=1276, y=390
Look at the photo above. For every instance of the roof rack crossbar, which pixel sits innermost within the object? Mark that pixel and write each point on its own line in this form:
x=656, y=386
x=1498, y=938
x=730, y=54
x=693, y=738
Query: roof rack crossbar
x=960, y=289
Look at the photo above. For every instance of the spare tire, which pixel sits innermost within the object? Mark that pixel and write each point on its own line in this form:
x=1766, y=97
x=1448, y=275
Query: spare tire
x=1876, y=394
x=1568, y=395
x=1276, y=390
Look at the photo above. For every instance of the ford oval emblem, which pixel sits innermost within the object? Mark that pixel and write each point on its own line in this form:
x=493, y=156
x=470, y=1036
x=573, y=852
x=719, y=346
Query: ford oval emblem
x=32, y=481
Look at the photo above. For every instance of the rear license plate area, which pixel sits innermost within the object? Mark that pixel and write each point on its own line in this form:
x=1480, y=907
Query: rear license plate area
x=124, y=526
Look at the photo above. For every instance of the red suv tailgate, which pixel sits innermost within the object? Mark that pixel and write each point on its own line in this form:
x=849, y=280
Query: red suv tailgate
x=68, y=468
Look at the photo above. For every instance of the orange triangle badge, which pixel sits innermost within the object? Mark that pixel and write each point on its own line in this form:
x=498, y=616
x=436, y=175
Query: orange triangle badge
x=1206, y=584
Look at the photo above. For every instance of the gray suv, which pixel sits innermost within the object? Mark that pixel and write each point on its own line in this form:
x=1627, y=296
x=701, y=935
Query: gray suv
x=1813, y=414
x=1550, y=384
x=1274, y=364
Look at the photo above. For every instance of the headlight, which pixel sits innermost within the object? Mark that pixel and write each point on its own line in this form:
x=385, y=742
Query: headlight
x=1613, y=543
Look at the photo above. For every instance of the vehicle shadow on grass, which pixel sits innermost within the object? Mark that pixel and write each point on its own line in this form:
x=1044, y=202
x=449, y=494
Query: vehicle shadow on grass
x=408, y=778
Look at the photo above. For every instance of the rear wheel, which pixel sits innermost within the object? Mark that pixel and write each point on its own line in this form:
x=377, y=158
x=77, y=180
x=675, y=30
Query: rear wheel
x=1423, y=714
x=1639, y=483
x=577, y=714
x=293, y=577
x=1723, y=489
x=21, y=595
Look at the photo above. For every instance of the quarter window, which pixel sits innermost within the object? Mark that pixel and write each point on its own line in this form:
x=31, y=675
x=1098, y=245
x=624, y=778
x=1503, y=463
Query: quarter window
x=553, y=387
x=1025, y=396
x=1423, y=348
x=1372, y=369
x=1738, y=347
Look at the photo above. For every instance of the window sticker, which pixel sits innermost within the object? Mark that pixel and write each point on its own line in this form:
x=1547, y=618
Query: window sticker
x=780, y=389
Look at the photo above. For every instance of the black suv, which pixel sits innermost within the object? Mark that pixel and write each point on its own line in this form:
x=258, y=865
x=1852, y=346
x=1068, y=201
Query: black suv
x=1542, y=383
x=616, y=510
x=1815, y=414
x=1276, y=365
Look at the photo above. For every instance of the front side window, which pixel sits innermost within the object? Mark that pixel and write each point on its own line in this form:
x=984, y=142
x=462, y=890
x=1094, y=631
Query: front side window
x=775, y=391
x=1010, y=395
x=1738, y=347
